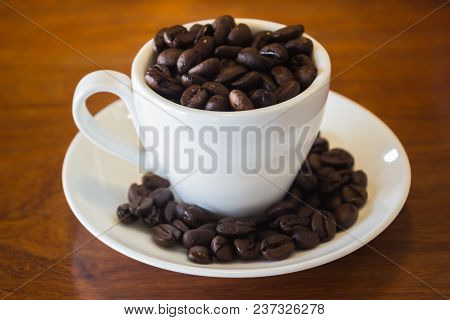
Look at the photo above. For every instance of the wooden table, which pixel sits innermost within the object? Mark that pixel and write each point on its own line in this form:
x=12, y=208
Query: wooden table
x=43, y=55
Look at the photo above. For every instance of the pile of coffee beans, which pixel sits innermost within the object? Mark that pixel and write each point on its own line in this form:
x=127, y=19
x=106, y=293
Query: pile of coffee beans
x=324, y=199
x=224, y=67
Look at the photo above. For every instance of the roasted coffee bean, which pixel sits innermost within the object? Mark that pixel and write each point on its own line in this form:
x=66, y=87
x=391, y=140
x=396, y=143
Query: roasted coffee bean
x=209, y=225
x=152, y=181
x=225, y=19
x=215, y=88
x=248, y=81
x=305, y=75
x=222, y=28
x=180, y=225
x=200, y=254
x=188, y=80
x=346, y=215
x=152, y=218
x=171, y=33
x=264, y=234
x=294, y=195
x=332, y=201
x=194, y=97
x=287, y=91
x=329, y=180
x=187, y=60
x=169, y=211
x=277, y=247
x=288, y=33
x=125, y=215
x=324, y=224
x=240, y=35
x=313, y=160
x=227, y=52
x=355, y=194
x=185, y=39
x=239, y=101
x=230, y=72
x=281, y=74
x=198, y=237
x=179, y=209
x=206, y=30
x=166, y=86
x=247, y=249
x=165, y=235
x=136, y=193
x=305, y=212
x=307, y=181
x=218, y=103
x=276, y=51
x=300, y=60
x=359, y=178
x=305, y=238
x=196, y=28
x=204, y=46
x=280, y=208
x=312, y=199
x=320, y=145
x=267, y=82
x=206, y=69
x=254, y=60
x=144, y=208
x=159, y=42
x=300, y=45
x=262, y=98
x=194, y=216
x=222, y=249
x=161, y=196
x=290, y=222
x=164, y=70
x=235, y=227
x=261, y=38
x=275, y=224
x=337, y=158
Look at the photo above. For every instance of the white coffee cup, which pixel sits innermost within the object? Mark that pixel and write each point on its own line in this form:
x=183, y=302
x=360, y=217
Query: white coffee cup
x=232, y=193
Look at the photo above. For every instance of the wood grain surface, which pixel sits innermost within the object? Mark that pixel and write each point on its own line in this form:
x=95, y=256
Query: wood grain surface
x=48, y=45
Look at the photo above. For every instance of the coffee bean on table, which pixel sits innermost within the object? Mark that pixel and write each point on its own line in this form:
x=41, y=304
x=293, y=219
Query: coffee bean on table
x=337, y=158
x=282, y=74
x=125, y=215
x=304, y=238
x=287, y=91
x=222, y=249
x=152, y=181
x=288, y=33
x=359, y=178
x=161, y=196
x=324, y=224
x=165, y=235
x=194, y=97
x=262, y=98
x=277, y=247
x=196, y=237
x=247, y=249
x=346, y=215
x=239, y=101
x=218, y=103
x=300, y=45
x=354, y=194
x=199, y=254
x=276, y=51
x=235, y=227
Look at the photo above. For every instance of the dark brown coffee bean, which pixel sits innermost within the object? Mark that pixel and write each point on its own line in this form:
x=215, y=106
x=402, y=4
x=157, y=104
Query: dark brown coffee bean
x=287, y=91
x=235, y=227
x=275, y=224
x=280, y=208
x=305, y=239
x=145, y=207
x=199, y=254
x=227, y=52
x=159, y=42
x=248, y=81
x=264, y=234
x=314, y=162
x=290, y=222
x=288, y=33
x=194, y=216
x=294, y=195
x=164, y=70
x=188, y=80
x=196, y=28
x=360, y=178
x=247, y=249
x=277, y=247
x=240, y=35
x=198, y=237
x=188, y=58
x=300, y=45
x=165, y=235
x=161, y=196
x=151, y=218
x=222, y=28
x=267, y=82
x=329, y=180
x=262, y=98
x=300, y=60
x=346, y=215
x=307, y=182
x=204, y=47
x=194, y=97
x=281, y=74
x=165, y=86
x=355, y=194
x=239, y=101
x=276, y=51
x=222, y=249
x=152, y=181
x=179, y=209
x=337, y=158
x=171, y=33
x=185, y=39
x=305, y=75
x=136, y=193
x=124, y=214
x=320, y=145
x=332, y=201
x=215, y=88
x=254, y=60
x=209, y=225
x=180, y=225
x=230, y=72
x=324, y=224
x=312, y=199
x=206, y=30
x=169, y=211
x=218, y=103
x=261, y=39
x=206, y=69
x=305, y=213
x=225, y=19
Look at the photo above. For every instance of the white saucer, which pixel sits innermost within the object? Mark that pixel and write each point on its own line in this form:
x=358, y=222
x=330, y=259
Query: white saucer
x=95, y=183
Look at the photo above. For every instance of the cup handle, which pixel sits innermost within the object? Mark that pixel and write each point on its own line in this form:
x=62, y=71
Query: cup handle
x=112, y=82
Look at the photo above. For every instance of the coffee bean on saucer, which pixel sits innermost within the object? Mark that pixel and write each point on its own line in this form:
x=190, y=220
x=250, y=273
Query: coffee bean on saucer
x=194, y=97
x=263, y=234
x=240, y=35
x=300, y=45
x=332, y=201
x=280, y=208
x=355, y=194
x=312, y=199
x=287, y=91
x=227, y=52
x=346, y=215
x=161, y=196
x=152, y=181
x=291, y=222
x=239, y=101
x=288, y=33
x=329, y=180
x=282, y=74
x=152, y=217
x=215, y=88
x=222, y=249
x=314, y=162
x=180, y=225
x=337, y=158
x=124, y=214
x=320, y=145
x=209, y=225
x=262, y=98
x=194, y=216
x=277, y=247
x=196, y=237
x=165, y=235
x=294, y=195
x=144, y=208
x=206, y=69
x=307, y=182
x=360, y=178
x=247, y=249
x=235, y=227
x=261, y=39
x=324, y=224
x=276, y=51
x=169, y=211
x=135, y=194
x=200, y=254
x=305, y=239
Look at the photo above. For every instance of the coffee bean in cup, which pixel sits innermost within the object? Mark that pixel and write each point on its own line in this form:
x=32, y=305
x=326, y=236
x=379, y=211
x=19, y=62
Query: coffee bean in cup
x=325, y=199
x=224, y=67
